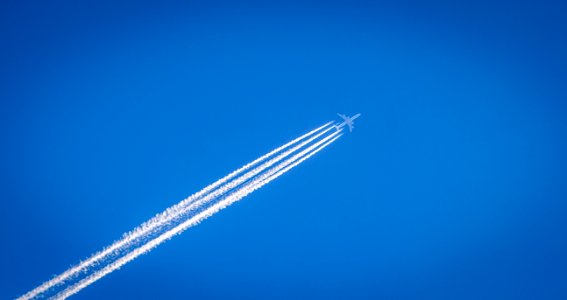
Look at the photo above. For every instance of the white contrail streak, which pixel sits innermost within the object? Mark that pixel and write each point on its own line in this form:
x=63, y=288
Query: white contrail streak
x=236, y=196
x=171, y=213
x=245, y=177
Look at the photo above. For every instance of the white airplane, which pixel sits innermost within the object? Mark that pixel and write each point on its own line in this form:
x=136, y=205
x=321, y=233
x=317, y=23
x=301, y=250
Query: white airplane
x=349, y=121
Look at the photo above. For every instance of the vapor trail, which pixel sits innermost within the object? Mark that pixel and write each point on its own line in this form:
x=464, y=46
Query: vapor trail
x=172, y=212
x=240, y=180
x=194, y=220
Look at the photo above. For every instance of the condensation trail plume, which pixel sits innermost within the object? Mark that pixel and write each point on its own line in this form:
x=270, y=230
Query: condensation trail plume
x=245, y=177
x=171, y=213
x=194, y=220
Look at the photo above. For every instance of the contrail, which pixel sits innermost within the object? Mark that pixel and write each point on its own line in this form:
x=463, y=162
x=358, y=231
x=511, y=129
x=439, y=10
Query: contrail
x=236, y=196
x=245, y=177
x=182, y=207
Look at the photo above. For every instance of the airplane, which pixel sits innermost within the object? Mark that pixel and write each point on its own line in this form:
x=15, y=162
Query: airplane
x=349, y=121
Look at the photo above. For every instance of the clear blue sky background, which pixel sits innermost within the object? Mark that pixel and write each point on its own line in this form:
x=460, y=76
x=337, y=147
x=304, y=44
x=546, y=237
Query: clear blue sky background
x=452, y=186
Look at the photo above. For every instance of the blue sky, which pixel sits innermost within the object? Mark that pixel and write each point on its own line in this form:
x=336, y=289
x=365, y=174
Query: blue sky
x=452, y=186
